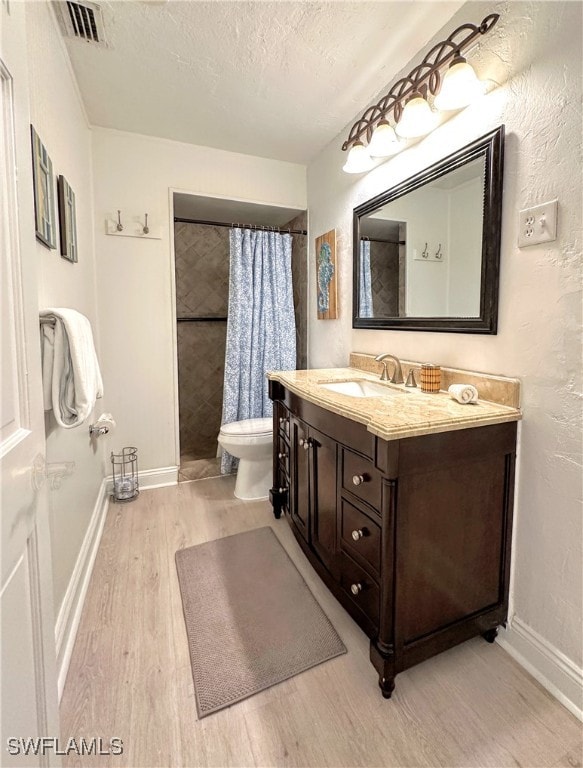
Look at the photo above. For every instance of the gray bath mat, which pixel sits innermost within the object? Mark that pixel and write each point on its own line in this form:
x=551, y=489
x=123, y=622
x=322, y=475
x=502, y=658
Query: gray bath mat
x=251, y=620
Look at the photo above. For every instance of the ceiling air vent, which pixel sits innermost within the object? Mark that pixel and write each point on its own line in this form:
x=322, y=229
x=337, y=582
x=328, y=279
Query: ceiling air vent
x=82, y=21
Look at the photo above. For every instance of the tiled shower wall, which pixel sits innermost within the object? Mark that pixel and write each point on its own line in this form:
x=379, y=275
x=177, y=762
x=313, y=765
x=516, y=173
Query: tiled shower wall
x=202, y=290
x=300, y=285
x=384, y=268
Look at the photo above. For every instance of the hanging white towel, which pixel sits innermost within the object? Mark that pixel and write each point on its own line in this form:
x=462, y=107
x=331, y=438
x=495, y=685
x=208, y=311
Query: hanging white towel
x=71, y=376
x=463, y=393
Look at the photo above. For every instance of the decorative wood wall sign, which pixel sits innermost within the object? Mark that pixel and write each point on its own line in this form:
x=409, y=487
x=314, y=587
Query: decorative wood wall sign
x=67, y=220
x=44, y=194
x=326, y=272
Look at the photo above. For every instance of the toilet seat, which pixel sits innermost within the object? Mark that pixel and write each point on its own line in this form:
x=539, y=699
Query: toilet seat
x=250, y=427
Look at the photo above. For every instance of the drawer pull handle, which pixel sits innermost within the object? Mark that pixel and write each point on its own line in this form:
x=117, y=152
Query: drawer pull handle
x=357, y=479
x=356, y=535
x=356, y=588
x=282, y=455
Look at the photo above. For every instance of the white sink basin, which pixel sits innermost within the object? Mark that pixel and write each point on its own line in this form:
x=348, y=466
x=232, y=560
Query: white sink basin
x=359, y=388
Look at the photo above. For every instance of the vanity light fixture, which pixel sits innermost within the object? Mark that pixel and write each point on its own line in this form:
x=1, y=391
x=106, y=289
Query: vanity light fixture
x=358, y=160
x=460, y=86
x=417, y=118
x=407, y=101
x=385, y=141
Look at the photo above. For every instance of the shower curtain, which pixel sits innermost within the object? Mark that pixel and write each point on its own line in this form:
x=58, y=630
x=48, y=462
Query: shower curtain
x=261, y=331
x=365, y=295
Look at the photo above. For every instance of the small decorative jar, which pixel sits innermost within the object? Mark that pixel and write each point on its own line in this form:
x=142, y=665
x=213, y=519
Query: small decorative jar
x=430, y=377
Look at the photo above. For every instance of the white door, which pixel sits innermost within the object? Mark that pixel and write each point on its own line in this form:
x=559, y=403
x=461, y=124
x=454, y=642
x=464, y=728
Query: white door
x=29, y=707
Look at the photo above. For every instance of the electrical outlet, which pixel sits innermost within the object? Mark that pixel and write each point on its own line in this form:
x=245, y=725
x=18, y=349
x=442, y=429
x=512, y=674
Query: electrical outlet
x=537, y=224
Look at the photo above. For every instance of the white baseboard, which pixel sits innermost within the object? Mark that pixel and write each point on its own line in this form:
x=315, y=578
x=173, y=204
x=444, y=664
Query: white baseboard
x=553, y=670
x=72, y=606
x=152, y=478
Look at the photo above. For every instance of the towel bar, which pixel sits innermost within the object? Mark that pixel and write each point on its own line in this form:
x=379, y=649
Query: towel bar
x=47, y=320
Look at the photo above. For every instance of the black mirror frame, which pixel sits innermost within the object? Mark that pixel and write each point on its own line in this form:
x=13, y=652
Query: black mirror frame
x=491, y=146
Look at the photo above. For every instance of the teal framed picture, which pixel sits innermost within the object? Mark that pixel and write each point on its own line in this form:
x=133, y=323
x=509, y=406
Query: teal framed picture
x=67, y=220
x=44, y=192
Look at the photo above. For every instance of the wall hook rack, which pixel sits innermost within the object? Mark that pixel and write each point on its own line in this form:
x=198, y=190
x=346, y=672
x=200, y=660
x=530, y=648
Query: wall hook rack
x=429, y=255
x=135, y=225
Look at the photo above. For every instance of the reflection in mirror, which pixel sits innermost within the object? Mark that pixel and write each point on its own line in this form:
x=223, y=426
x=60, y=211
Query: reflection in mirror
x=426, y=253
x=424, y=250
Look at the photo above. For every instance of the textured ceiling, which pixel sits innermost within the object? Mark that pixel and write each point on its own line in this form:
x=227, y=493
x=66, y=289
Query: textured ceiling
x=273, y=79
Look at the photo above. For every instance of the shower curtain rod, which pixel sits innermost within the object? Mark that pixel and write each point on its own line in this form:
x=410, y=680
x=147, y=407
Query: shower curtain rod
x=378, y=240
x=240, y=226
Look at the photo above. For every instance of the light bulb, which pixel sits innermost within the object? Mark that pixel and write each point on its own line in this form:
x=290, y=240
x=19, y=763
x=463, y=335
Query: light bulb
x=460, y=86
x=417, y=118
x=358, y=160
x=384, y=141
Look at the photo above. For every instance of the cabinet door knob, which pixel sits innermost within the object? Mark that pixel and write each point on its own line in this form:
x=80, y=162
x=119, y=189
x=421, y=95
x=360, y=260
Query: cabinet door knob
x=356, y=588
x=283, y=490
x=356, y=535
x=281, y=455
x=357, y=479
x=281, y=419
x=302, y=441
x=305, y=443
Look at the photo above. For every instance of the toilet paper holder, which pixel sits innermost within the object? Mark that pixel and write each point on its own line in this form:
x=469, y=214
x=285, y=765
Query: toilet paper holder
x=97, y=431
x=102, y=426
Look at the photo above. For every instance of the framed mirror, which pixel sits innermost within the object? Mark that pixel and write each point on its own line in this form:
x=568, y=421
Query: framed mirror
x=426, y=253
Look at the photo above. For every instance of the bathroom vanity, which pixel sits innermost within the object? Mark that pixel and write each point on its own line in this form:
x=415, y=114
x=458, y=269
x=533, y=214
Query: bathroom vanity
x=402, y=502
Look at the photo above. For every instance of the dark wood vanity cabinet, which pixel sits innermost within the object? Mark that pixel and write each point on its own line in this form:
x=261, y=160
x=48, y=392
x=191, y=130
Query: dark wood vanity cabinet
x=412, y=536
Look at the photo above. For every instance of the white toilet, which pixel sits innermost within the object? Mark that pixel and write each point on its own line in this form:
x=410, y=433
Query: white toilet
x=250, y=441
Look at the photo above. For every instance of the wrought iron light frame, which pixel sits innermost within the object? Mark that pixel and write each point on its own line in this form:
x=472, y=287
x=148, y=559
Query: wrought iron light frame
x=424, y=79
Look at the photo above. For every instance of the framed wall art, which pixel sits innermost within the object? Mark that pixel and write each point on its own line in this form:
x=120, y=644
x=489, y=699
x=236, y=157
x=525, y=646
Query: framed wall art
x=44, y=192
x=67, y=220
x=326, y=276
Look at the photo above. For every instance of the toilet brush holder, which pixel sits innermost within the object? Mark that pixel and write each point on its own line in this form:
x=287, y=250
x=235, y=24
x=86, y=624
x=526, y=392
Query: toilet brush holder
x=125, y=475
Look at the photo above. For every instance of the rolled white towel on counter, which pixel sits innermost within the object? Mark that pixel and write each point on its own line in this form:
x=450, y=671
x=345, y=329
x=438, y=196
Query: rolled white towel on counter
x=463, y=393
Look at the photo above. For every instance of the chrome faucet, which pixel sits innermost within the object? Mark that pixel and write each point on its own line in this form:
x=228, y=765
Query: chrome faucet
x=397, y=377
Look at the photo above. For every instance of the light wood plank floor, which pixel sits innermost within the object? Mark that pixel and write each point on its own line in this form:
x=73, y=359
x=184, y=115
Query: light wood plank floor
x=130, y=674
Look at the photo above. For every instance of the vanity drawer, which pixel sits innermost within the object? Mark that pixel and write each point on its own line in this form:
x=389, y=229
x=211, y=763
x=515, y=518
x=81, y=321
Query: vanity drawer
x=361, y=478
x=360, y=587
x=360, y=536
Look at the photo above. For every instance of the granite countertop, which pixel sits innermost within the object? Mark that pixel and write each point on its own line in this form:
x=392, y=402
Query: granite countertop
x=403, y=412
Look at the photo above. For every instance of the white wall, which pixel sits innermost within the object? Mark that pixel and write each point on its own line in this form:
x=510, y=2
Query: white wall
x=535, y=52
x=135, y=277
x=425, y=213
x=464, y=254
x=59, y=118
